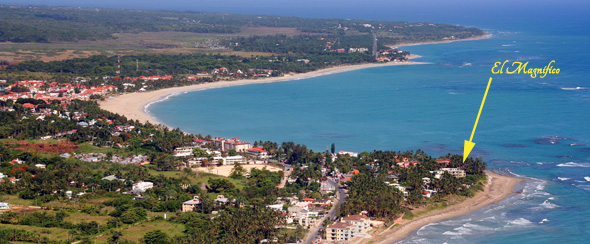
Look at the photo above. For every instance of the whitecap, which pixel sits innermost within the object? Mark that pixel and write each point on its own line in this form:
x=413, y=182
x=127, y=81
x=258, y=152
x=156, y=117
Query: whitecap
x=507, y=45
x=450, y=233
x=547, y=204
x=587, y=178
x=476, y=227
x=572, y=164
x=584, y=187
x=520, y=222
x=563, y=178
x=573, y=88
x=551, y=198
x=459, y=231
x=543, y=221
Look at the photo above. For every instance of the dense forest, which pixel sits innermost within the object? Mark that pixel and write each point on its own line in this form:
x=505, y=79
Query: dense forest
x=153, y=64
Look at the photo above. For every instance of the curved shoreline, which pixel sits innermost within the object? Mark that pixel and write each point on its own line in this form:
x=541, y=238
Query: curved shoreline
x=498, y=188
x=135, y=105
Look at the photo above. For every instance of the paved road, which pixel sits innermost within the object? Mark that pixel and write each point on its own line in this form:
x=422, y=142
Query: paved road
x=314, y=232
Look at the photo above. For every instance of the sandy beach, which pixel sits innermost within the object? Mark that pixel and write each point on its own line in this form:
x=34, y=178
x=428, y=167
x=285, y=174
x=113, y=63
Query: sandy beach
x=131, y=105
x=498, y=188
x=438, y=42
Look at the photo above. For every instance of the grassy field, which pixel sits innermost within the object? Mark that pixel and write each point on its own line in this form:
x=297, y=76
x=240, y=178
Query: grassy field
x=15, y=200
x=76, y=218
x=131, y=43
x=197, y=178
x=89, y=148
x=137, y=231
x=54, y=234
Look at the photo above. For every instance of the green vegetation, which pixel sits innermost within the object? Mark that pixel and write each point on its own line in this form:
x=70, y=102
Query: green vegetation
x=77, y=164
x=49, y=24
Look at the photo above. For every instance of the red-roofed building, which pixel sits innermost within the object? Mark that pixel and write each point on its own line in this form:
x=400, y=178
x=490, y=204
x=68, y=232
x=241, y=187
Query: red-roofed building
x=307, y=199
x=235, y=144
x=258, y=152
x=200, y=142
x=444, y=161
x=16, y=161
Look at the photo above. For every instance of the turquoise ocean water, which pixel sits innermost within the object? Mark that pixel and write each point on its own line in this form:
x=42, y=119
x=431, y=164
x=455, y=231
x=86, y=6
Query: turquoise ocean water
x=538, y=129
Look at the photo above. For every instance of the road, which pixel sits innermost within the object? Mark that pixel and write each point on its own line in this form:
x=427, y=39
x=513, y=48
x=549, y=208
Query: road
x=286, y=173
x=314, y=232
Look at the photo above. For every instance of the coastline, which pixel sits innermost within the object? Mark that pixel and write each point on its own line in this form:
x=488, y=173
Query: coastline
x=484, y=36
x=135, y=105
x=498, y=188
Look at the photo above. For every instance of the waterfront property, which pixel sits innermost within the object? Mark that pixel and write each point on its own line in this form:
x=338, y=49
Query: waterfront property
x=231, y=144
x=459, y=173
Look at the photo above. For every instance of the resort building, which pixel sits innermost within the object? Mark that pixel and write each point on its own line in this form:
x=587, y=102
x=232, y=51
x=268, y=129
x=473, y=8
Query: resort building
x=231, y=144
x=459, y=173
x=360, y=223
x=340, y=231
x=189, y=205
x=258, y=152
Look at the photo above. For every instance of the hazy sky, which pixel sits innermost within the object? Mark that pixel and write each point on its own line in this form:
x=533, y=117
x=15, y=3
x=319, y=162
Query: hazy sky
x=459, y=11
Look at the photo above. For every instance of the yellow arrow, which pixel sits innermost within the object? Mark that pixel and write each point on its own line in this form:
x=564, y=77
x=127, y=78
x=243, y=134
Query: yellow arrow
x=469, y=144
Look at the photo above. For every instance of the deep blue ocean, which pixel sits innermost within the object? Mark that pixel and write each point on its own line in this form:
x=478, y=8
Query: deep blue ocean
x=538, y=129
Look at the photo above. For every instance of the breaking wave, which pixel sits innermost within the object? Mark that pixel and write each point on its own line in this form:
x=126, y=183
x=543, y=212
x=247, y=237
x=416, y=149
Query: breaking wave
x=572, y=164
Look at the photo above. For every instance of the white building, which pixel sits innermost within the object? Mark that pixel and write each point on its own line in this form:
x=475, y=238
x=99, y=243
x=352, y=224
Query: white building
x=352, y=154
x=4, y=205
x=229, y=160
x=183, y=151
x=459, y=173
x=360, y=222
x=340, y=232
x=190, y=205
x=258, y=152
x=142, y=186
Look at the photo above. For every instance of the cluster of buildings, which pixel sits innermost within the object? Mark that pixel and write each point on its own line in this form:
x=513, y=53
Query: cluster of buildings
x=48, y=91
x=143, y=78
x=306, y=212
x=216, y=157
x=97, y=157
x=390, y=55
x=190, y=205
